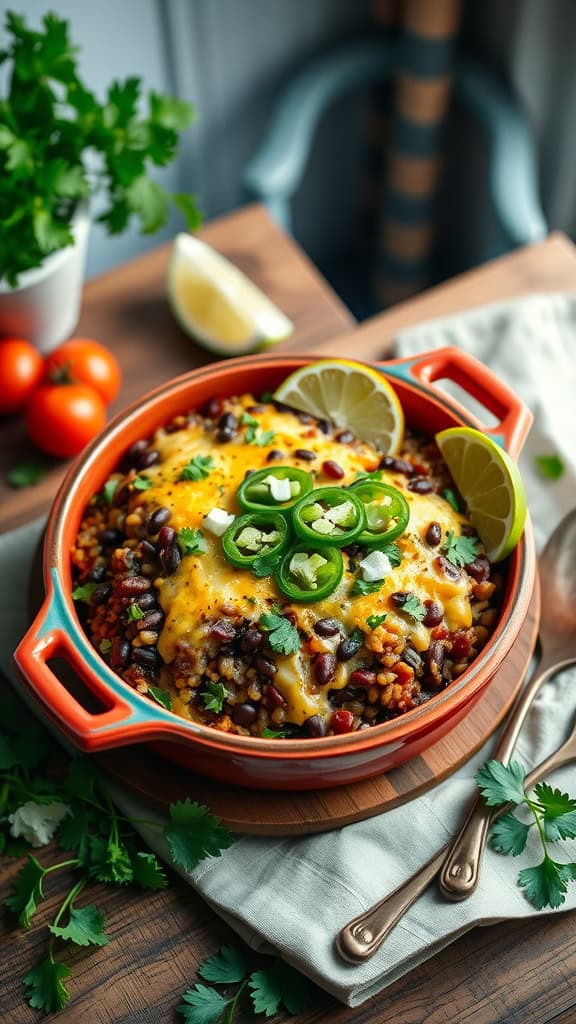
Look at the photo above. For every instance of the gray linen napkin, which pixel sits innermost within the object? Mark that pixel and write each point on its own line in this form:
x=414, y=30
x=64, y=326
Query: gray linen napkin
x=293, y=895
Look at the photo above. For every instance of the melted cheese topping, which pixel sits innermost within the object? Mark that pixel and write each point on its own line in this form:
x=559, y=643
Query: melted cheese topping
x=206, y=587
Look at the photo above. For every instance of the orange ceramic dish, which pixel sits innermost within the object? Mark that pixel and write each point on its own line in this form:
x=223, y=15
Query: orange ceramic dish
x=128, y=717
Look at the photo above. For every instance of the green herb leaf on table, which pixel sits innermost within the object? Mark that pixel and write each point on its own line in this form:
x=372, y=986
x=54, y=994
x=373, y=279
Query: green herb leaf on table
x=214, y=696
x=283, y=637
x=373, y=621
x=551, y=467
x=279, y=985
x=227, y=966
x=546, y=884
x=191, y=542
x=27, y=891
x=84, y=928
x=161, y=696
x=552, y=801
x=561, y=827
x=509, y=834
x=362, y=587
x=198, y=468
x=193, y=833
x=202, y=1005
x=142, y=483
x=84, y=591
x=501, y=784
x=147, y=871
x=44, y=988
x=110, y=860
x=460, y=550
x=27, y=473
x=414, y=608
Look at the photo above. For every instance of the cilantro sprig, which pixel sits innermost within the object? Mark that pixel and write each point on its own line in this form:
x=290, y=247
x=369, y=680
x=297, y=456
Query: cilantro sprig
x=460, y=550
x=191, y=542
x=214, y=696
x=282, y=637
x=553, y=818
x=197, y=468
x=60, y=145
x=273, y=987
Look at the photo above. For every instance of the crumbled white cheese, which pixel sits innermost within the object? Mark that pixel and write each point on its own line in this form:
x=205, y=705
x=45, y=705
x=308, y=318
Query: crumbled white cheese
x=37, y=823
x=375, y=566
x=279, y=489
x=218, y=520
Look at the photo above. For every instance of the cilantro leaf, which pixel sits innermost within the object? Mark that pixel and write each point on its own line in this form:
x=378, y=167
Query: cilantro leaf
x=460, y=550
x=414, y=608
x=561, y=827
x=392, y=551
x=546, y=884
x=26, y=891
x=73, y=832
x=193, y=834
x=283, y=637
x=263, y=566
x=214, y=696
x=44, y=988
x=191, y=542
x=26, y=473
x=363, y=587
x=373, y=621
x=227, y=966
x=82, y=779
x=552, y=801
x=147, y=871
x=450, y=496
x=249, y=421
x=202, y=1005
x=261, y=440
x=105, y=646
x=274, y=734
x=161, y=696
x=84, y=928
x=198, y=468
x=134, y=612
x=551, y=467
x=109, y=490
x=110, y=861
x=501, y=784
x=276, y=985
x=83, y=592
x=509, y=834
x=147, y=199
x=142, y=483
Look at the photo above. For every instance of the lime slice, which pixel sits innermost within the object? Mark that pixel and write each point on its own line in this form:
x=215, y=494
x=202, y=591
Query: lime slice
x=352, y=396
x=491, y=485
x=217, y=305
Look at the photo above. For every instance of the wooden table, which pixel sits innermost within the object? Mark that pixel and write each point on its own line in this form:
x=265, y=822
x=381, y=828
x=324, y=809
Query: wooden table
x=511, y=973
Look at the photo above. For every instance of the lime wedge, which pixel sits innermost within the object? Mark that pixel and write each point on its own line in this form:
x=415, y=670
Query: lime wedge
x=217, y=305
x=491, y=485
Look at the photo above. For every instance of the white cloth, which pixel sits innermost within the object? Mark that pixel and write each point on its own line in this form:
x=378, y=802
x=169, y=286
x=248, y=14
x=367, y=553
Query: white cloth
x=294, y=895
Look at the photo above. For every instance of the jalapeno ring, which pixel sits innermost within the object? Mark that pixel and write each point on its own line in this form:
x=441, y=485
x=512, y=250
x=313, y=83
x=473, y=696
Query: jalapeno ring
x=255, y=535
x=381, y=529
x=255, y=492
x=329, y=517
x=313, y=576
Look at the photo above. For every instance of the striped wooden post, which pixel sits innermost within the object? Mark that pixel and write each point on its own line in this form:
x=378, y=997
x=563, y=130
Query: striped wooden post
x=422, y=92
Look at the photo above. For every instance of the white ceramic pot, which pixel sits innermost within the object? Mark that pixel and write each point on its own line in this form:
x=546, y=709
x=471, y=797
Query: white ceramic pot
x=45, y=306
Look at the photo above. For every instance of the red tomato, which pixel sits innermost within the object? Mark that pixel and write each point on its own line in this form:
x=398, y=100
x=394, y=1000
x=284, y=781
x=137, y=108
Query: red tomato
x=81, y=361
x=62, y=418
x=20, y=371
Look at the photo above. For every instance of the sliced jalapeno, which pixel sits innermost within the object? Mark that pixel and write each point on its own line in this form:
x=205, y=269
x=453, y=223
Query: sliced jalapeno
x=278, y=487
x=256, y=535
x=329, y=516
x=309, y=574
x=387, y=512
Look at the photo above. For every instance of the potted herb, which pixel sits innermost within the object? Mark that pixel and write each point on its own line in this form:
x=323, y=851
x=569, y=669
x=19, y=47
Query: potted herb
x=59, y=146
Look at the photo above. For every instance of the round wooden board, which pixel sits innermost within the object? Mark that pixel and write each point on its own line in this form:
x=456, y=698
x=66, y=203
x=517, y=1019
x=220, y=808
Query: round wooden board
x=159, y=781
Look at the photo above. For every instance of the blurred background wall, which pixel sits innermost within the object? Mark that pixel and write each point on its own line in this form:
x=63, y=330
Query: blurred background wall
x=232, y=58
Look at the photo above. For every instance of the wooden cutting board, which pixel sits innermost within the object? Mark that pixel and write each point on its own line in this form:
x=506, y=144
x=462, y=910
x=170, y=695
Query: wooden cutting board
x=159, y=781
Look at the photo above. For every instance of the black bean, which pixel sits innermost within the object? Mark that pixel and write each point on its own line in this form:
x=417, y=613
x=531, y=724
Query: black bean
x=327, y=627
x=135, y=451
x=324, y=667
x=421, y=485
x=244, y=714
x=434, y=613
x=102, y=593
x=452, y=572
x=228, y=422
x=433, y=535
x=265, y=667
x=110, y=538
x=353, y=550
x=133, y=586
x=315, y=726
x=158, y=518
x=253, y=639
x=146, y=601
x=151, y=619
x=166, y=537
x=170, y=559
x=225, y=434
x=120, y=653
x=212, y=408
x=223, y=630
x=324, y=426
x=148, y=550
x=96, y=574
x=412, y=658
x=397, y=465
x=305, y=417
x=274, y=455
x=345, y=436
x=146, y=657
x=349, y=647
x=305, y=454
x=400, y=597
x=479, y=569
x=149, y=458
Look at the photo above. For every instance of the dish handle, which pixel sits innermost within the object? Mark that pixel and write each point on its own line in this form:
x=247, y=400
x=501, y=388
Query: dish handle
x=478, y=381
x=118, y=719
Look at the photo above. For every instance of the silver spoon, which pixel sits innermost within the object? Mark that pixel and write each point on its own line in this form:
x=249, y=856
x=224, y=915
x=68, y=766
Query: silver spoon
x=360, y=939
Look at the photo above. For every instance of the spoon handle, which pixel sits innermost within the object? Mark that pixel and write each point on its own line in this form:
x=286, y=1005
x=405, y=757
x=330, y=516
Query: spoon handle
x=363, y=936
x=461, y=871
